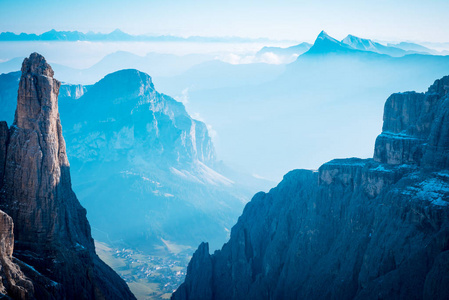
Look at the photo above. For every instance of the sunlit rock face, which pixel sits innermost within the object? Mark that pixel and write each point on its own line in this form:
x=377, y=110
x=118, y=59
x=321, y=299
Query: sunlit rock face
x=124, y=111
x=53, y=244
x=355, y=229
x=144, y=168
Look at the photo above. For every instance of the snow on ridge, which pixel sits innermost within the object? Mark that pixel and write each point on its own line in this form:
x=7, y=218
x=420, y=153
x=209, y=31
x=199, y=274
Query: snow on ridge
x=434, y=190
x=201, y=173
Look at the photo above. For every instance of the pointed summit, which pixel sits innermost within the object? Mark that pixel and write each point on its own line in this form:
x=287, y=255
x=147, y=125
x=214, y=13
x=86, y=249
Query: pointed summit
x=37, y=90
x=117, y=31
x=52, y=234
x=324, y=43
x=36, y=65
x=323, y=36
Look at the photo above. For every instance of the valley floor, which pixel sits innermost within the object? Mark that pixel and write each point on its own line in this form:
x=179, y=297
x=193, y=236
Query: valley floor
x=148, y=276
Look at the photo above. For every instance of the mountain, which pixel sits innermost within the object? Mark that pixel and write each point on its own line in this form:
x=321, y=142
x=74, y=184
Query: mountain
x=295, y=119
x=116, y=36
x=160, y=65
x=147, y=173
x=324, y=43
x=52, y=240
x=414, y=47
x=157, y=162
x=284, y=55
x=157, y=64
x=12, y=65
x=354, y=229
x=217, y=74
x=369, y=45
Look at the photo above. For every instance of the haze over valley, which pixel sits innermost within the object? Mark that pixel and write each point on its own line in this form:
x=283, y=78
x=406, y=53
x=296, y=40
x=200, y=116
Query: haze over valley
x=202, y=150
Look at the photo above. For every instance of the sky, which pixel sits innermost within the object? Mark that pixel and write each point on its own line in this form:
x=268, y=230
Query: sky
x=385, y=20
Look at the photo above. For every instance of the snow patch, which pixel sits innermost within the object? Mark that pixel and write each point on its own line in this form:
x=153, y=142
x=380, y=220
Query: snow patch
x=433, y=190
x=202, y=174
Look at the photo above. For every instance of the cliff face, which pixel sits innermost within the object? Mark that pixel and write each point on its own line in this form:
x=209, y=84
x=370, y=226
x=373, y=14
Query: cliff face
x=156, y=160
x=53, y=246
x=123, y=111
x=416, y=128
x=355, y=229
x=13, y=282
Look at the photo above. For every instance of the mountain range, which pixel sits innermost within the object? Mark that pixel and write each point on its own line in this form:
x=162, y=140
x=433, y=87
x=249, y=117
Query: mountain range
x=297, y=117
x=116, y=35
x=159, y=164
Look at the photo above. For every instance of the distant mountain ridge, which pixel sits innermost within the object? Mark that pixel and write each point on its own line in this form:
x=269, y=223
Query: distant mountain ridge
x=369, y=45
x=285, y=55
x=116, y=35
x=332, y=80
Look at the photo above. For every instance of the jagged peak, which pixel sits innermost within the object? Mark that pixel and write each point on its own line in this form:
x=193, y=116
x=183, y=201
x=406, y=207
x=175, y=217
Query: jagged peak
x=323, y=35
x=351, y=39
x=36, y=65
x=324, y=43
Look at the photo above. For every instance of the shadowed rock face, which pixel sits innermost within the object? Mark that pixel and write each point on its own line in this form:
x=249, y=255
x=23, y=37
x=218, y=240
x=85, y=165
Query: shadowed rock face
x=416, y=128
x=13, y=282
x=355, y=229
x=53, y=245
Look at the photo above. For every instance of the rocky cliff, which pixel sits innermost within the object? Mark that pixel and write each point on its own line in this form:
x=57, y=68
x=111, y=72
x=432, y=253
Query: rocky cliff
x=13, y=283
x=53, y=245
x=157, y=162
x=355, y=229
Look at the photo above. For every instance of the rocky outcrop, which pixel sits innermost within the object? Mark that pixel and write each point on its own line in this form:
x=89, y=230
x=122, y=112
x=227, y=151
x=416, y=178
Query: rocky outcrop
x=13, y=283
x=53, y=246
x=416, y=128
x=355, y=229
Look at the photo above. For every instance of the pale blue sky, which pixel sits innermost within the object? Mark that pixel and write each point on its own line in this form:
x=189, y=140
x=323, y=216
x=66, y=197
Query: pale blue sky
x=415, y=20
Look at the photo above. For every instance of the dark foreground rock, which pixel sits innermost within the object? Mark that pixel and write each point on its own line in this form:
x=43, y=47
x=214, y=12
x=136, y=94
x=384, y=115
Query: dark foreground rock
x=355, y=229
x=53, y=244
x=13, y=281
